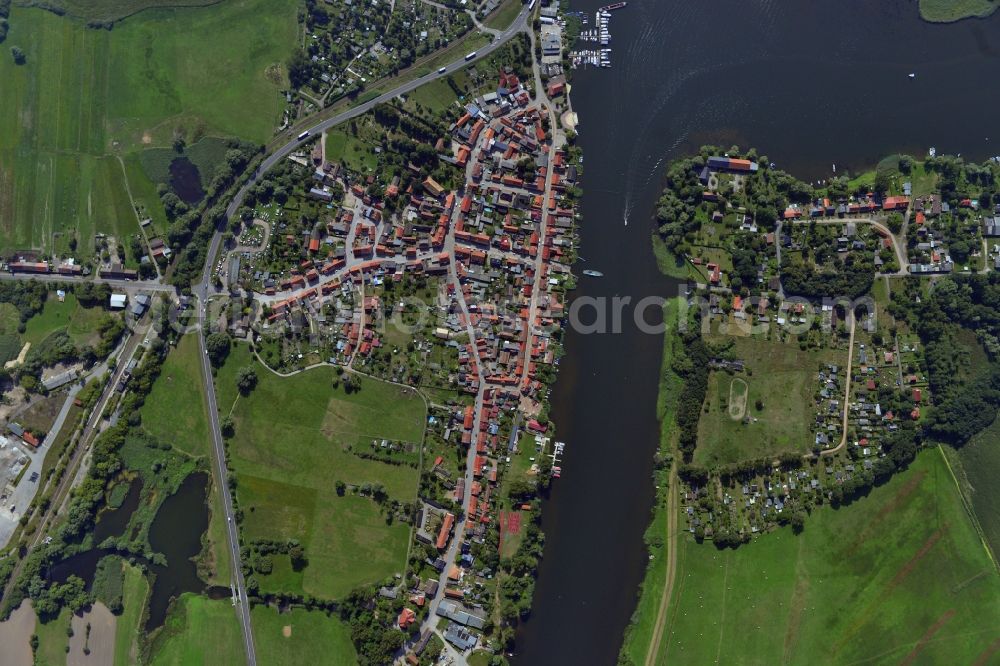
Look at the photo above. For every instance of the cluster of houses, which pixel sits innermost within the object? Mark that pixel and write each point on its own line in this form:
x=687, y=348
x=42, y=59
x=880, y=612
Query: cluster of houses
x=491, y=230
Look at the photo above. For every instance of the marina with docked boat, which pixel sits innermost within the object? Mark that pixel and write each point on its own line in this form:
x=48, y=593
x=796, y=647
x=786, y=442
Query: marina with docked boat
x=599, y=34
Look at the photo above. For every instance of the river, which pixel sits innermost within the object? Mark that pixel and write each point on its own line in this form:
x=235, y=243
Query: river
x=808, y=84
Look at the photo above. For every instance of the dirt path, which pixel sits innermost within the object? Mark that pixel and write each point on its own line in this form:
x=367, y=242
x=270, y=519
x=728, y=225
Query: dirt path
x=668, y=586
x=14, y=635
x=936, y=627
x=100, y=643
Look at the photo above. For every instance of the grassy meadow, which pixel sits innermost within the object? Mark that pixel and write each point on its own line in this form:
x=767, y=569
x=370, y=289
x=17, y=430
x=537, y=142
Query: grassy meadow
x=53, y=639
x=200, y=630
x=977, y=465
x=776, y=370
x=900, y=576
x=176, y=412
x=301, y=637
x=79, y=322
x=86, y=97
x=292, y=444
x=127, y=631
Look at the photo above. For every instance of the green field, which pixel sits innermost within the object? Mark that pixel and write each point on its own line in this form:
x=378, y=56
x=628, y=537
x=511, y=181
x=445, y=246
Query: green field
x=127, y=633
x=85, y=95
x=504, y=16
x=784, y=379
x=946, y=11
x=112, y=10
x=900, y=576
x=79, y=322
x=200, y=631
x=349, y=150
x=314, y=638
x=290, y=448
x=979, y=468
x=52, y=640
x=175, y=410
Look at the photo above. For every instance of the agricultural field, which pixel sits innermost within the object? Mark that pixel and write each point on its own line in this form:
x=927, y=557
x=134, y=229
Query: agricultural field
x=301, y=637
x=900, y=576
x=294, y=441
x=734, y=429
x=115, y=10
x=200, y=630
x=978, y=466
x=85, y=97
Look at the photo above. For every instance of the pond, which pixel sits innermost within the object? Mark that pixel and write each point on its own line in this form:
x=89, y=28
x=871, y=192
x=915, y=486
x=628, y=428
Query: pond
x=112, y=522
x=186, y=180
x=175, y=533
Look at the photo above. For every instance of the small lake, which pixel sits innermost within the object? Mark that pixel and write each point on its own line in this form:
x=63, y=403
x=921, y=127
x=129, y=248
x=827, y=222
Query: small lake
x=112, y=522
x=186, y=180
x=176, y=533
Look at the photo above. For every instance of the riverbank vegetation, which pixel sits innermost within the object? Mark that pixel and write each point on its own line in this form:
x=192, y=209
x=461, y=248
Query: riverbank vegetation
x=642, y=627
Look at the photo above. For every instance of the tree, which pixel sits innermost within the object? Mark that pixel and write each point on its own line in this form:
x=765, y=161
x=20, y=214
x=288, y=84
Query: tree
x=218, y=345
x=297, y=557
x=341, y=488
x=19, y=57
x=881, y=185
x=246, y=380
x=895, y=222
x=798, y=521
x=228, y=429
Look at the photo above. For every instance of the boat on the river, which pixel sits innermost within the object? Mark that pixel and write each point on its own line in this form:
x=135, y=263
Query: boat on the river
x=590, y=273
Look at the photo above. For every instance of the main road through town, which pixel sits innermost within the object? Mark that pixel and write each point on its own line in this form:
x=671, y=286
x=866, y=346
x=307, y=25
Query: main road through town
x=204, y=290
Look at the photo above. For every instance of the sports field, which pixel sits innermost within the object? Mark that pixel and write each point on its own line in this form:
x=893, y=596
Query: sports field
x=86, y=96
x=290, y=449
x=301, y=637
x=783, y=378
x=200, y=630
x=899, y=577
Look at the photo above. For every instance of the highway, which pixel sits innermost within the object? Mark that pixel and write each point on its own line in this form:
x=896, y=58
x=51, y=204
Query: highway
x=204, y=291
